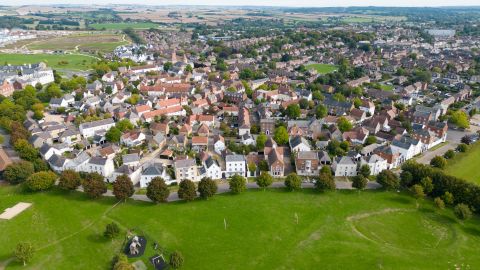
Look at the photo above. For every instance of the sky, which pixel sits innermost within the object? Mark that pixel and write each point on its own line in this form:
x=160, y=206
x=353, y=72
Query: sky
x=294, y=3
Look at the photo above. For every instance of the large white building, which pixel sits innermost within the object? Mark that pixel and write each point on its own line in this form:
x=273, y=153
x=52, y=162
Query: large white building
x=235, y=164
x=89, y=129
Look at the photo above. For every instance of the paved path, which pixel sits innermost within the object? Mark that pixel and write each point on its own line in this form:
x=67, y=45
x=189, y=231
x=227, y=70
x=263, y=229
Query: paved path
x=224, y=188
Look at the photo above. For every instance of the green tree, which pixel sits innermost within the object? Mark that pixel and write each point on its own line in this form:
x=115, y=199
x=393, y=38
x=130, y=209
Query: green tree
x=448, y=198
x=462, y=211
x=388, y=180
x=438, y=162
x=207, y=188
x=187, y=190
x=124, y=125
x=264, y=180
x=427, y=184
x=449, y=154
x=263, y=166
x=324, y=182
x=343, y=124
x=167, y=66
x=293, y=111
x=94, y=185
x=462, y=148
x=418, y=192
x=237, y=184
x=293, y=182
x=157, y=190
x=25, y=150
x=370, y=140
x=460, y=119
x=359, y=182
x=18, y=172
x=321, y=111
x=281, y=135
x=113, y=135
x=121, y=263
x=41, y=181
x=111, y=230
x=123, y=187
x=69, y=180
x=24, y=252
x=364, y=170
x=252, y=167
x=406, y=178
x=439, y=203
x=261, y=140
x=176, y=259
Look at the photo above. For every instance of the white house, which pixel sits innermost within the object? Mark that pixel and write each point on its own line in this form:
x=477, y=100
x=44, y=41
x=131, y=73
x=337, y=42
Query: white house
x=407, y=147
x=344, y=166
x=132, y=138
x=235, y=164
x=152, y=171
x=212, y=168
x=186, y=169
x=219, y=144
x=299, y=144
x=376, y=163
x=133, y=172
x=247, y=139
x=88, y=129
x=103, y=166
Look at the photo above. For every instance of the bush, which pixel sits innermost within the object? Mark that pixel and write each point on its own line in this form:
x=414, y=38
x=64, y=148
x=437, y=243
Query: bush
x=94, y=185
x=439, y=203
x=111, y=230
x=123, y=187
x=238, y=184
x=325, y=182
x=388, y=180
x=157, y=190
x=462, y=148
x=449, y=154
x=18, y=172
x=187, y=190
x=406, y=179
x=264, y=180
x=438, y=162
x=359, y=182
x=293, y=182
x=207, y=188
x=462, y=211
x=176, y=260
x=70, y=180
x=41, y=181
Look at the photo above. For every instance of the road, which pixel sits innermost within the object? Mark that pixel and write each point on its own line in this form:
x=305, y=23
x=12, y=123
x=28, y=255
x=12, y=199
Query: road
x=224, y=188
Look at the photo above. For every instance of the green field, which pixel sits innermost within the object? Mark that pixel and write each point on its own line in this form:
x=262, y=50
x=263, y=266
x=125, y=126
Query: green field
x=75, y=61
x=83, y=42
x=465, y=165
x=121, y=26
x=372, y=18
x=271, y=229
x=322, y=68
x=386, y=87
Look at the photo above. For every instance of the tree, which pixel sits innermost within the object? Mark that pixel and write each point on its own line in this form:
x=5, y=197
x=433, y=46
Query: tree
x=24, y=252
x=325, y=182
x=364, y=170
x=388, y=180
x=264, y=180
x=449, y=154
x=462, y=148
x=18, y=172
x=111, y=230
x=113, y=135
x=448, y=198
x=359, y=181
x=438, y=162
x=124, y=125
x=94, y=185
x=188, y=69
x=343, y=124
x=427, y=184
x=237, y=184
x=176, y=259
x=370, y=140
x=263, y=165
x=207, y=188
x=460, y=119
x=157, y=190
x=462, y=211
x=293, y=111
x=320, y=111
x=293, y=182
x=439, y=203
x=121, y=263
x=466, y=140
x=25, y=150
x=167, y=66
x=418, y=192
x=187, y=190
x=406, y=178
x=281, y=135
x=252, y=168
x=261, y=140
x=70, y=180
x=41, y=181
x=123, y=187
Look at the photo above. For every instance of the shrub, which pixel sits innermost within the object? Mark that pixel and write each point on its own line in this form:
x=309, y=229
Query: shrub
x=438, y=162
x=18, y=172
x=187, y=190
x=388, y=180
x=449, y=154
x=325, y=182
x=157, y=190
x=238, y=184
x=462, y=148
x=207, y=188
x=41, y=181
x=462, y=211
x=293, y=182
x=359, y=182
x=439, y=203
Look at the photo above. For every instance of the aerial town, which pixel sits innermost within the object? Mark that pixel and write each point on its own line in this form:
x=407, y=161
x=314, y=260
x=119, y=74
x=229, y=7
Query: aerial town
x=194, y=109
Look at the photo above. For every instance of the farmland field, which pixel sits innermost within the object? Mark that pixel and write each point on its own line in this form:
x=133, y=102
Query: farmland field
x=56, y=61
x=269, y=229
x=465, y=165
x=121, y=26
x=322, y=68
x=83, y=42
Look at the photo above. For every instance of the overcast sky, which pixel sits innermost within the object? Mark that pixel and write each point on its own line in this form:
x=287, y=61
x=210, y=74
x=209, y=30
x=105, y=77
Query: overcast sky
x=296, y=3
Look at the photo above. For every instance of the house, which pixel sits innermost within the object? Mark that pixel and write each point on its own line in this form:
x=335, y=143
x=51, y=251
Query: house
x=299, y=144
x=247, y=139
x=407, y=146
x=100, y=165
x=132, y=138
x=199, y=143
x=375, y=162
x=5, y=160
x=152, y=171
x=131, y=160
x=218, y=144
x=344, y=166
x=244, y=122
x=178, y=143
x=133, y=172
x=235, y=164
x=186, y=169
x=89, y=129
x=186, y=130
x=212, y=169
x=307, y=163
x=274, y=157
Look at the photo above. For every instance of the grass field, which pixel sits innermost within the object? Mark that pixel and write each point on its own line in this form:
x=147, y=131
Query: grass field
x=121, y=26
x=465, y=165
x=75, y=61
x=85, y=42
x=350, y=230
x=386, y=87
x=322, y=68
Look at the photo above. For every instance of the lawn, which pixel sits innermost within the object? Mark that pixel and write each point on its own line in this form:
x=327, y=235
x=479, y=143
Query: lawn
x=344, y=229
x=465, y=165
x=322, y=68
x=73, y=61
x=86, y=41
x=386, y=87
x=121, y=26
